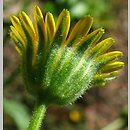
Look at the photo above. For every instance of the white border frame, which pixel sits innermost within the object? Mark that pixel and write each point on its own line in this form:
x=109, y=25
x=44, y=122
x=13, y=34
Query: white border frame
x=128, y=62
x=1, y=64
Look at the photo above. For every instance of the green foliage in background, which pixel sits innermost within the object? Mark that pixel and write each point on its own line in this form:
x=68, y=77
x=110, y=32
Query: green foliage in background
x=18, y=112
x=101, y=10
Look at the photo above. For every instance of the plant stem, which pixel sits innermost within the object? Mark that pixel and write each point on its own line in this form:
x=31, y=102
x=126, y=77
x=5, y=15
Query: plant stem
x=37, y=117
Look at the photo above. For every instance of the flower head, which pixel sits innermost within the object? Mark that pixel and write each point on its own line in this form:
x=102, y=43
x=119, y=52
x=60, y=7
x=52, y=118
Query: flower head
x=59, y=64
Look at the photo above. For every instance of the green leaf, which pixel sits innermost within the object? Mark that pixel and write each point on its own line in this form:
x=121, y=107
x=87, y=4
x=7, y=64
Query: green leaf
x=18, y=112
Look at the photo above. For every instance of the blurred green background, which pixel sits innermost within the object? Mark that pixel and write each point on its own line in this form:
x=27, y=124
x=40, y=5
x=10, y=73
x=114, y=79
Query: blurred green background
x=100, y=108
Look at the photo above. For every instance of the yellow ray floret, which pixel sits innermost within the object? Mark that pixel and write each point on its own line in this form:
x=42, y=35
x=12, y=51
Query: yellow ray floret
x=16, y=23
x=39, y=23
x=110, y=57
x=81, y=28
x=112, y=67
x=18, y=36
x=27, y=23
x=50, y=23
x=63, y=24
x=100, y=48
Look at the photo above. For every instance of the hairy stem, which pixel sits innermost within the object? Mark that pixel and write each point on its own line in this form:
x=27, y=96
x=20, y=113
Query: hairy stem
x=37, y=117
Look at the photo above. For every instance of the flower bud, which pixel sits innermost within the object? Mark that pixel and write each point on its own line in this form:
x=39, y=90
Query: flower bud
x=59, y=64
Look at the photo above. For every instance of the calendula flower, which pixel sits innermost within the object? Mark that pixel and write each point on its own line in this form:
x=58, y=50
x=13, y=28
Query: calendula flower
x=59, y=64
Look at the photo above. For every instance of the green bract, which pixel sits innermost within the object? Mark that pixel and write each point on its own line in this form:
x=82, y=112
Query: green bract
x=59, y=64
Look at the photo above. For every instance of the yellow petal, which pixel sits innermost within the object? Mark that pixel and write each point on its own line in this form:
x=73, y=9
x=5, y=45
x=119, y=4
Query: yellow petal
x=18, y=46
x=63, y=25
x=110, y=57
x=16, y=23
x=39, y=24
x=102, y=79
x=89, y=40
x=50, y=23
x=112, y=67
x=105, y=75
x=25, y=20
x=38, y=12
x=81, y=28
x=100, y=48
x=17, y=35
x=96, y=35
x=29, y=29
x=18, y=50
